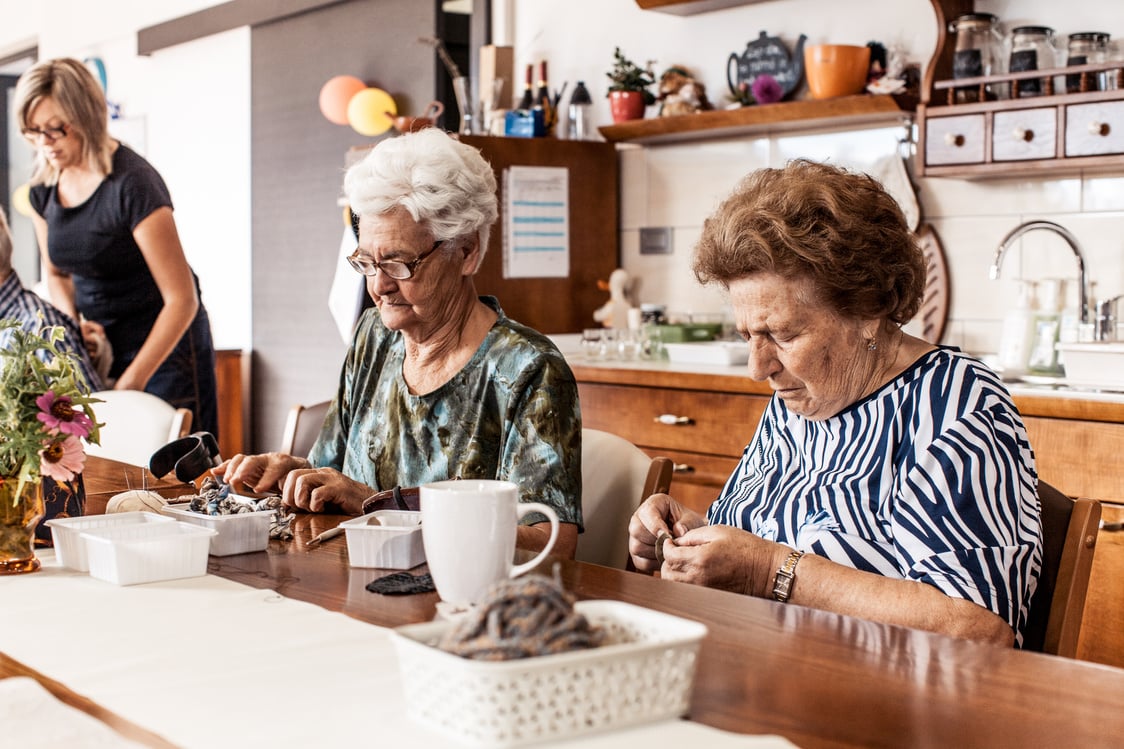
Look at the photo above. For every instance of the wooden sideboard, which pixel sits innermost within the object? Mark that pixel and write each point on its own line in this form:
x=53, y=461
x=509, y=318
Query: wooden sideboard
x=712, y=414
x=232, y=379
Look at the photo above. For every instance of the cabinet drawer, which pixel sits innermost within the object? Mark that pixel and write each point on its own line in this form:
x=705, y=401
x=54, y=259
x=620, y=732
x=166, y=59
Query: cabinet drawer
x=708, y=422
x=1025, y=134
x=698, y=478
x=954, y=140
x=1094, y=129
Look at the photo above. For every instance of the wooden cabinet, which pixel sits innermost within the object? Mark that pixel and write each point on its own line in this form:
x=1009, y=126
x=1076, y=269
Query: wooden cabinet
x=701, y=422
x=1064, y=132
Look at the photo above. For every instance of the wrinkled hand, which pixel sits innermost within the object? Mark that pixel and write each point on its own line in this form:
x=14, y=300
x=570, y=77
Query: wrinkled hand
x=659, y=512
x=723, y=557
x=324, y=490
x=258, y=473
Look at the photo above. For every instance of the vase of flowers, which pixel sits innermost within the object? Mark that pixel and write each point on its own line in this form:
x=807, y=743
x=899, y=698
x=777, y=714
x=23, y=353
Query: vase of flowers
x=45, y=415
x=629, y=91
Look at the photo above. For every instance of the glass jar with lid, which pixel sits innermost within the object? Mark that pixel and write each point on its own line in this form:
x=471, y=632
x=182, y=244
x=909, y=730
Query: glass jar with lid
x=1086, y=47
x=978, y=52
x=1032, y=48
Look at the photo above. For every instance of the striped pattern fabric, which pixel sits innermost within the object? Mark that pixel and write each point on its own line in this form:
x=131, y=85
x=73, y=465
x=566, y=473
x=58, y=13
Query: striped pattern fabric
x=930, y=478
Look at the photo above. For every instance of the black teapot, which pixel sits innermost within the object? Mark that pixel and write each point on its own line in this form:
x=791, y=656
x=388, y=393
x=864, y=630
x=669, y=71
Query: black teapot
x=767, y=54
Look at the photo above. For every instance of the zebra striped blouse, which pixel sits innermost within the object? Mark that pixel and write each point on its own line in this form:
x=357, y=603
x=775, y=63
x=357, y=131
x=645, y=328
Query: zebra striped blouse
x=930, y=478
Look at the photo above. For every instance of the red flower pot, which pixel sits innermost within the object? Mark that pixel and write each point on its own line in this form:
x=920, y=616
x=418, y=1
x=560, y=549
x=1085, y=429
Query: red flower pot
x=626, y=105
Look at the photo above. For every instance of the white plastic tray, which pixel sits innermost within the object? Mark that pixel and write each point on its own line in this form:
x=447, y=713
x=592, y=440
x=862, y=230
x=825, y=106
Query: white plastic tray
x=708, y=352
x=644, y=673
x=70, y=546
x=147, y=552
x=394, y=544
x=237, y=534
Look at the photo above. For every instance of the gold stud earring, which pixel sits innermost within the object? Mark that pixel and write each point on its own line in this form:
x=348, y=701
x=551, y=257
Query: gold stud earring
x=872, y=345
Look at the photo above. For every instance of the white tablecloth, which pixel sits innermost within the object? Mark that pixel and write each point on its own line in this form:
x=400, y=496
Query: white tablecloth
x=210, y=663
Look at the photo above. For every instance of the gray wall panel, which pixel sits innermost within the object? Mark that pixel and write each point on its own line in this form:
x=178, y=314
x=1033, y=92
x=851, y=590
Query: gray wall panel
x=297, y=168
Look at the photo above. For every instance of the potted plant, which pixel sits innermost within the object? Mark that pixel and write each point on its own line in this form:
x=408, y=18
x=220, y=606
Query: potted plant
x=628, y=93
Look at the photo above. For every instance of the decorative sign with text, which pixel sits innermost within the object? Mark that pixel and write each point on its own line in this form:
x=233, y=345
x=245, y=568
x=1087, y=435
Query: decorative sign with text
x=766, y=55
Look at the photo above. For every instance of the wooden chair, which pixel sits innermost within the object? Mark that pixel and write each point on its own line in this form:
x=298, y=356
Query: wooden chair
x=137, y=424
x=616, y=477
x=1069, y=537
x=302, y=427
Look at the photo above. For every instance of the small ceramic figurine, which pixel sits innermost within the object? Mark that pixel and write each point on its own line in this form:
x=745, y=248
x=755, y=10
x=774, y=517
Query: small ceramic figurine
x=614, y=313
x=680, y=93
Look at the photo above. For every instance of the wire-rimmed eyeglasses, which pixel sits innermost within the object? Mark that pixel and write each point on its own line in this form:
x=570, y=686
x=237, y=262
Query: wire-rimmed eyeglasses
x=52, y=134
x=396, y=269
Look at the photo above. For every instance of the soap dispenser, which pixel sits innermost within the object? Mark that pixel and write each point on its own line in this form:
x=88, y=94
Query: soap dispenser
x=1018, y=332
x=1047, y=330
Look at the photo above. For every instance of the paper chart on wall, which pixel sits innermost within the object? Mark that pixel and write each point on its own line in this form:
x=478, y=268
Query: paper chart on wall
x=536, y=241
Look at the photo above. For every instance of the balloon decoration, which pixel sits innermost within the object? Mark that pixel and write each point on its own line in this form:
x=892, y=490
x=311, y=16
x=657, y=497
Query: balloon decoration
x=335, y=94
x=371, y=111
x=21, y=199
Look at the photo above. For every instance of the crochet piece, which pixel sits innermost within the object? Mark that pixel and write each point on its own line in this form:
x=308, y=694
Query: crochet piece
x=522, y=618
x=402, y=583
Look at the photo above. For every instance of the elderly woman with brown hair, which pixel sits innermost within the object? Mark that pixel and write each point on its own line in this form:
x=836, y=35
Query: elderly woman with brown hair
x=889, y=479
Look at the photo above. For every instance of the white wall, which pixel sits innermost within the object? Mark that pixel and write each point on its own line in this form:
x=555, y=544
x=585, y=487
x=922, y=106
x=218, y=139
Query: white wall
x=188, y=109
x=678, y=185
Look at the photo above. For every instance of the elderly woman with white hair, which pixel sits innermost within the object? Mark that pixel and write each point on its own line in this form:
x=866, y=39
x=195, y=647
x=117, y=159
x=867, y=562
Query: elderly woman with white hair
x=438, y=382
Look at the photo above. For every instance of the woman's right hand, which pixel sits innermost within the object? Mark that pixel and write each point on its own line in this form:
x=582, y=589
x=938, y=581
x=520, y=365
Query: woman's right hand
x=659, y=513
x=259, y=473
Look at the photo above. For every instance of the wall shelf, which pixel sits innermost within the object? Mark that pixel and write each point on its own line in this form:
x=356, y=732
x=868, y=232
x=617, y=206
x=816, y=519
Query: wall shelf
x=861, y=110
x=691, y=7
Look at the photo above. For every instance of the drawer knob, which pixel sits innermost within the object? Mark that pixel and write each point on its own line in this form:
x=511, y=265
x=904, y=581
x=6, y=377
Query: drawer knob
x=1024, y=134
x=1099, y=128
x=672, y=420
x=954, y=139
x=682, y=468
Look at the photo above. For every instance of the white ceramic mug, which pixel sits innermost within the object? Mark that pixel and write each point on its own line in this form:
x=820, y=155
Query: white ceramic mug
x=468, y=531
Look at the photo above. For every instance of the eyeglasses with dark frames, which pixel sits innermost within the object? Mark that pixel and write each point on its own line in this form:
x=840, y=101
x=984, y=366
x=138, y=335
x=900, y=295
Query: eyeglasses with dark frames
x=52, y=134
x=396, y=269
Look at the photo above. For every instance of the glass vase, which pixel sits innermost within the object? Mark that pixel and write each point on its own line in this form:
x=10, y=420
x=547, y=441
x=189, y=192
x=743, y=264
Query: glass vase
x=21, y=509
x=462, y=89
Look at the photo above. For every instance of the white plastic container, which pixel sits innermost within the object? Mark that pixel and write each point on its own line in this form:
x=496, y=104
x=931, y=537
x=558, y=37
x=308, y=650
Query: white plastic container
x=708, y=352
x=147, y=552
x=644, y=673
x=395, y=543
x=1098, y=366
x=70, y=546
x=237, y=534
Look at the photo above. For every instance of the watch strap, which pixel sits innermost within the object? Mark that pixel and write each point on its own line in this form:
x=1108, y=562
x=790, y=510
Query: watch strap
x=786, y=576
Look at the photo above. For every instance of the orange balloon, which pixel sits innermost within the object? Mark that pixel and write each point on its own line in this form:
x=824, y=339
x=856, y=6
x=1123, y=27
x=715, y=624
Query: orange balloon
x=335, y=94
x=371, y=111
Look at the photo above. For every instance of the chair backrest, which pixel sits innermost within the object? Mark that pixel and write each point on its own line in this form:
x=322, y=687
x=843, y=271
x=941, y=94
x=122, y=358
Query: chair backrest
x=136, y=425
x=302, y=427
x=616, y=477
x=1069, y=537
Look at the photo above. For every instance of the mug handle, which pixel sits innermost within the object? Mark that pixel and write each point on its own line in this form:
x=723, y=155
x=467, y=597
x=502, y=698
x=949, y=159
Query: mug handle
x=528, y=507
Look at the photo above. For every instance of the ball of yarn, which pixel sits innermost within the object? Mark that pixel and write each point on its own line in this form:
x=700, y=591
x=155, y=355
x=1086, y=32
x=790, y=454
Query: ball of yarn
x=136, y=500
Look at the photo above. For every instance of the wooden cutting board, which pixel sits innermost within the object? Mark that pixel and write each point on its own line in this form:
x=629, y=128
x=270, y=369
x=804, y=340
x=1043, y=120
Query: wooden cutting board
x=934, y=305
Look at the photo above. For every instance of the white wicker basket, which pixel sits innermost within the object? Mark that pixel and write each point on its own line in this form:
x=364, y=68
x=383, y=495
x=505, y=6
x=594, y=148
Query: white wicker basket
x=643, y=673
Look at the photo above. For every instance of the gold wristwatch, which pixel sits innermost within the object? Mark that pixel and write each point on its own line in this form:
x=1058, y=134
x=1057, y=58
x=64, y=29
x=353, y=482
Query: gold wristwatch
x=786, y=576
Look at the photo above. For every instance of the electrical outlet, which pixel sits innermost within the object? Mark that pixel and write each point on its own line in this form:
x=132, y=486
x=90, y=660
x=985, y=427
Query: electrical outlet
x=655, y=240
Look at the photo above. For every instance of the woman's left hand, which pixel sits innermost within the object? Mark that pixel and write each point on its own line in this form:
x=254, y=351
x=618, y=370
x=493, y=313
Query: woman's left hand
x=324, y=490
x=723, y=557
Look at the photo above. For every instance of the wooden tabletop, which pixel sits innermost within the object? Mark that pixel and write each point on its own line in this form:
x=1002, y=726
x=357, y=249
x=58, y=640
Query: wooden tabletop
x=819, y=679
x=103, y=477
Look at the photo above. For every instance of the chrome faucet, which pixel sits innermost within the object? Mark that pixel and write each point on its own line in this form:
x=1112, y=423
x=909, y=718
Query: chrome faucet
x=1064, y=233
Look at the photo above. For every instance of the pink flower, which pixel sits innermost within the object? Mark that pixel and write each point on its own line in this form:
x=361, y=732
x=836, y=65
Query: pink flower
x=766, y=89
x=58, y=412
x=62, y=459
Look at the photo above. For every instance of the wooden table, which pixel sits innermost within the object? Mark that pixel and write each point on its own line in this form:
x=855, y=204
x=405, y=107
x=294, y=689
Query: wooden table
x=819, y=679
x=103, y=478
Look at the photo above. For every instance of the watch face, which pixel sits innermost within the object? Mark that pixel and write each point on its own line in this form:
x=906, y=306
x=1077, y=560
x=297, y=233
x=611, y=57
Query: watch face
x=782, y=586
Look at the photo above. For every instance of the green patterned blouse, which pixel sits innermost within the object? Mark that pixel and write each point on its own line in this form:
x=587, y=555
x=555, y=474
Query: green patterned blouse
x=511, y=413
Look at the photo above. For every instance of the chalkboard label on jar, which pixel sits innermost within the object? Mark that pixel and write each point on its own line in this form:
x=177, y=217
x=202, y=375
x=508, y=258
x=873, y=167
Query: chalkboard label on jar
x=1021, y=61
x=967, y=63
x=1073, y=82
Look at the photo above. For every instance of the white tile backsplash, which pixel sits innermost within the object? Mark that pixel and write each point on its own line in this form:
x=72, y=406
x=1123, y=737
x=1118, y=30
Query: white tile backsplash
x=680, y=185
